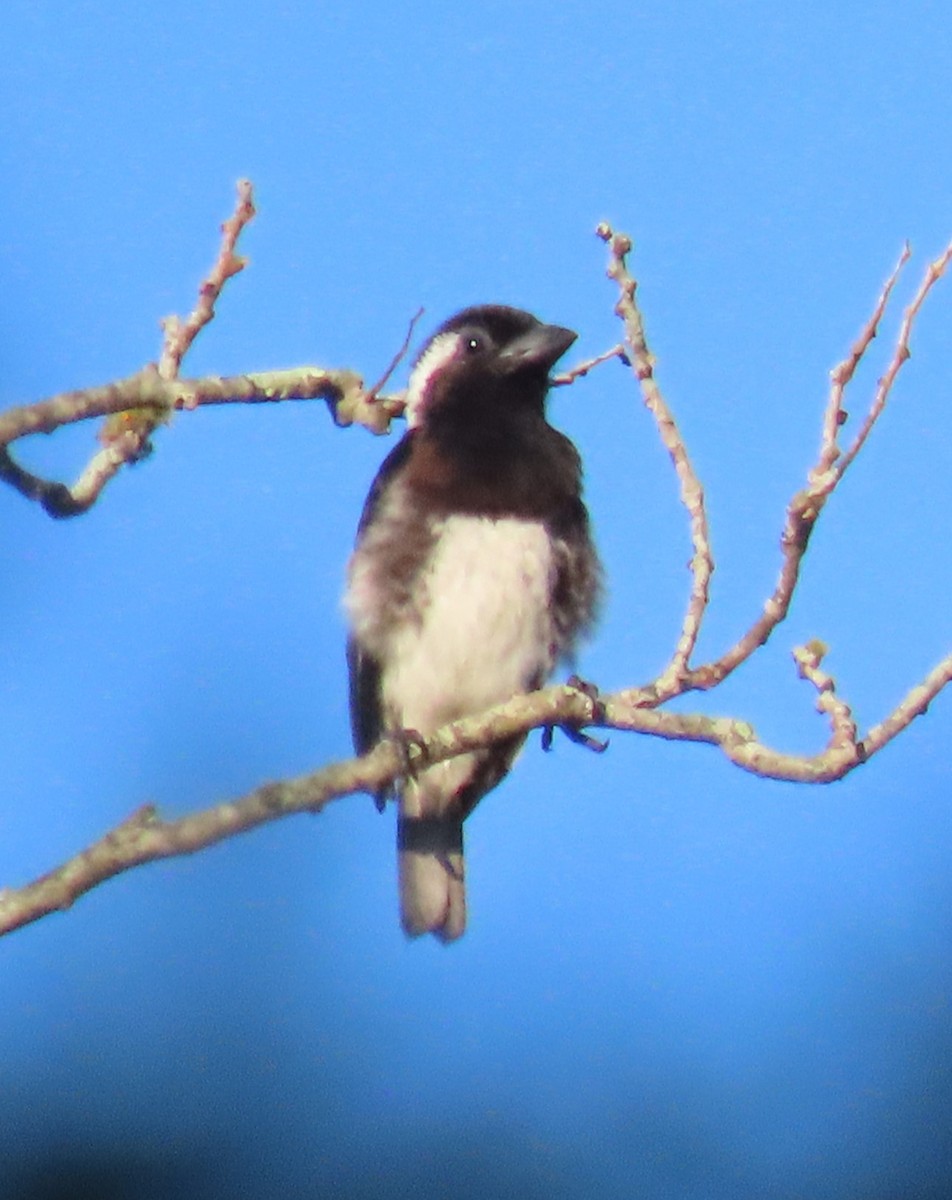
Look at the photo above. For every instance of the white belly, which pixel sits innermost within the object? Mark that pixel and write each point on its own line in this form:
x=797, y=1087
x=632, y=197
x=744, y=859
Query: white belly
x=486, y=629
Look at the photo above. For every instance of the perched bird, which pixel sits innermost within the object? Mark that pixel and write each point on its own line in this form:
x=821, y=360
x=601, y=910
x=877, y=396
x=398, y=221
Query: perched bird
x=473, y=574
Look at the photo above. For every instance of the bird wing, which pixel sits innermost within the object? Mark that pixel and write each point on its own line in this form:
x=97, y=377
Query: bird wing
x=364, y=670
x=392, y=463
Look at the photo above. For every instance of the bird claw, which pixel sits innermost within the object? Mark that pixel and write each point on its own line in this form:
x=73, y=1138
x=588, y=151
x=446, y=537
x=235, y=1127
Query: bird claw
x=587, y=689
x=578, y=736
x=405, y=741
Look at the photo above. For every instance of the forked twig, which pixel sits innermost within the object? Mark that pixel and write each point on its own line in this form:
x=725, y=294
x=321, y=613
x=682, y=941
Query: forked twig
x=126, y=434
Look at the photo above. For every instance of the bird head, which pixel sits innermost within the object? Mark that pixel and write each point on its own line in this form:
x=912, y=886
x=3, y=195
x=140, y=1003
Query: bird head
x=484, y=358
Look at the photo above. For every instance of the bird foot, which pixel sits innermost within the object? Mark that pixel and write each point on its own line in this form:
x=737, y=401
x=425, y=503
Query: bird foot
x=411, y=746
x=406, y=742
x=578, y=736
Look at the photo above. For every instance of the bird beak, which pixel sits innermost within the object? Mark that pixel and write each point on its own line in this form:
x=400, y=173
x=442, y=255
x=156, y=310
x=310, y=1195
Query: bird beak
x=540, y=348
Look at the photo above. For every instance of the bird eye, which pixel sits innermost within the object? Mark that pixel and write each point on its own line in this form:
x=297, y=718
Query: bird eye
x=473, y=344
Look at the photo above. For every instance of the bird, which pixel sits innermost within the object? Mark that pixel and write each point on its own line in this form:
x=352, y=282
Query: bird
x=473, y=575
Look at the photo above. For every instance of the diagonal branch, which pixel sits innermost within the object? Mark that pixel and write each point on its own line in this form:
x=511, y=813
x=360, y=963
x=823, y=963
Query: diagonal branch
x=146, y=837
x=178, y=334
x=384, y=379
x=564, y=378
x=835, y=415
x=934, y=272
x=804, y=507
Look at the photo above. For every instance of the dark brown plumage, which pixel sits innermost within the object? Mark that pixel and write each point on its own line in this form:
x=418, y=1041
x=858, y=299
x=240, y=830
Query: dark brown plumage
x=473, y=574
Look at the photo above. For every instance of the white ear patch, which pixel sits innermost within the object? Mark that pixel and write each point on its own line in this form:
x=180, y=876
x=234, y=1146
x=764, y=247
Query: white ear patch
x=439, y=352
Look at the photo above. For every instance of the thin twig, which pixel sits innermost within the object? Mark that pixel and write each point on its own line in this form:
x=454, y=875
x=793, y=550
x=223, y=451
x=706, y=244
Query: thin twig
x=179, y=334
x=126, y=435
x=564, y=378
x=914, y=704
x=809, y=660
x=934, y=272
x=381, y=383
x=692, y=494
x=835, y=415
x=136, y=406
x=806, y=505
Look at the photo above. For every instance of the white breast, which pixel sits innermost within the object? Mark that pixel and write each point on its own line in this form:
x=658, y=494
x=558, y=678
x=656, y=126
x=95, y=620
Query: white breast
x=485, y=630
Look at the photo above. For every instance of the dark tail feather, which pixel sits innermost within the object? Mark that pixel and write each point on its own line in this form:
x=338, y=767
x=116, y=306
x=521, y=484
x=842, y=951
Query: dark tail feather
x=432, y=883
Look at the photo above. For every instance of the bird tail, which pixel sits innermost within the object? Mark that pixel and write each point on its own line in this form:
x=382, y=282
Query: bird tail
x=430, y=860
x=432, y=876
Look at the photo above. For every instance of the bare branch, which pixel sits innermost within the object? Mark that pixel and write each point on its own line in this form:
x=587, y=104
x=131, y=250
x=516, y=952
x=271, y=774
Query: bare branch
x=564, y=378
x=809, y=660
x=806, y=505
x=395, y=361
x=845, y=750
x=126, y=435
x=934, y=272
x=915, y=703
x=835, y=415
x=692, y=494
x=136, y=406
x=145, y=837
x=145, y=394
x=179, y=334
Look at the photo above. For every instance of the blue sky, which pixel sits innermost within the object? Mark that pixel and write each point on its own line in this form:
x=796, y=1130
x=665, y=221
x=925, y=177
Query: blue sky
x=679, y=981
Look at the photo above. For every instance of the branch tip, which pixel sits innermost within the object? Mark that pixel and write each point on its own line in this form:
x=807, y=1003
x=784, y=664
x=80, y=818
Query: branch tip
x=381, y=383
